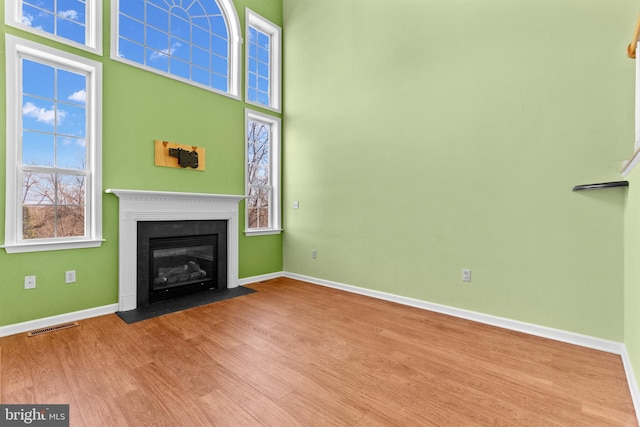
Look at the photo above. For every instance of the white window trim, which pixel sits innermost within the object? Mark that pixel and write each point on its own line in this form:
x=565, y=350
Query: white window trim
x=252, y=19
x=275, y=163
x=17, y=48
x=93, y=25
x=235, y=47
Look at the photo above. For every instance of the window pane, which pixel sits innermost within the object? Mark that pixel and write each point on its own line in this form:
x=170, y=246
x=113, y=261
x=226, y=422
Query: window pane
x=38, y=149
x=160, y=3
x=195, y=9
x=179, y=27
x=70, y=221
x=263, y=40
x=158, y=60
x=72, y=120
x=263, y=98
x=38, y=222
x=71, y=30
x=158, y=18
x=200, y=57
x=219, y=46
x=74, y=10
x=130, y=29
x=131, y=51
x=71, y=87
x=219, y=64
x=263, y=69
x=263, y=55
x=200, y=38
x=180, y=49
x=157, y=40
x=263, y=217
x=71, y=153
x=252, y=95
x=218, y=26
x=71, y=190
x=38, y=79
x=219, y=82
x=38, y=188
x=263, y=84
x=38, y=114
x=133, y=8
x=179, y=68
x=37, y=18
x=200, y=75
x=252, y=208
x=47, y=5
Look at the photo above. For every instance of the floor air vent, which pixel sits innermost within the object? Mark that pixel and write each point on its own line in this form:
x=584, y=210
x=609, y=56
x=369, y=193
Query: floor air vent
x=52, y=329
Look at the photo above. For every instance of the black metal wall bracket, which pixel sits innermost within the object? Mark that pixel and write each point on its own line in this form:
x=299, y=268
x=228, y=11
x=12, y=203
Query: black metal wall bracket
x=185, y=157
x=601, y=186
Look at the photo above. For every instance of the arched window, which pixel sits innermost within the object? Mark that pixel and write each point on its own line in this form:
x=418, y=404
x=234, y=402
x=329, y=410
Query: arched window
x=196, y=41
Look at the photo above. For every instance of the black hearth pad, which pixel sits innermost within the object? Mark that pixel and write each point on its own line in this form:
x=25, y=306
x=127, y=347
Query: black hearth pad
x=161, y=308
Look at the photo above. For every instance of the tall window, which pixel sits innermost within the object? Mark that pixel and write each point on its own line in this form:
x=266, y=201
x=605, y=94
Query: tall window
x=263, y=62
x=74, y=22
x=262, y=173
x=53, y=149
x=196, y=41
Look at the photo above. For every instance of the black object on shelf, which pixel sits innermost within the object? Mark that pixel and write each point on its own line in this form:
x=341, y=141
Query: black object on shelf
x=601, y=185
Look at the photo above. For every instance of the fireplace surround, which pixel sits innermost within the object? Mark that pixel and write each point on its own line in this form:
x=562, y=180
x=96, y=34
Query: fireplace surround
x=140, y=206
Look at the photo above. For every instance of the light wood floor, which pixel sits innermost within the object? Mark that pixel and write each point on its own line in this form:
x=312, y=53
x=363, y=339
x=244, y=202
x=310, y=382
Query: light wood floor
x=296, y=354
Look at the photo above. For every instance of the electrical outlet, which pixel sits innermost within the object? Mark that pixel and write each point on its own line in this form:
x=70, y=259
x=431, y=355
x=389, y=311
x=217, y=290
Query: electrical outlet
x=296, y=204
x=29, y=282
x=70, y=276
x=466, y=275
x=314, y=254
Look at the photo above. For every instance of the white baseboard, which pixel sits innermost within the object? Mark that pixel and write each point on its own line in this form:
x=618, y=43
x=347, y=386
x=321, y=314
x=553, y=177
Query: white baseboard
x=527, y=328
x=260, y=278
x=631, y=380
x=45, y=322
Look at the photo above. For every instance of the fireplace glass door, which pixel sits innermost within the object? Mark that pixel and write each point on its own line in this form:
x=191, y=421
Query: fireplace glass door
x=182, y=265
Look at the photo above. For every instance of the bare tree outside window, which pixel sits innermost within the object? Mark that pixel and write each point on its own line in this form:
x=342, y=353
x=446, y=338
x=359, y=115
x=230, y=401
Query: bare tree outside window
x=258, y=174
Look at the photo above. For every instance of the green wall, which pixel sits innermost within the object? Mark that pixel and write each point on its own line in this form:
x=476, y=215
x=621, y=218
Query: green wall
x=427, y=136
x=632, y=272
x=138, y=107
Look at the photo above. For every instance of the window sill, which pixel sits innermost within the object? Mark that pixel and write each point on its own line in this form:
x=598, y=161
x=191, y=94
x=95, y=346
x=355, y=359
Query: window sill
x=17, y=248
x=264, y=232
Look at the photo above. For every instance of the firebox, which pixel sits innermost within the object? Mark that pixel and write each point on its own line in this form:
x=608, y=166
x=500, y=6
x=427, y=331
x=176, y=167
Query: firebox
x=182, y=265
x=180, y=257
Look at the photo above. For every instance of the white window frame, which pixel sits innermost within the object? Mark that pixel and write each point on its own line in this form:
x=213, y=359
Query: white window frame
x=16, y=49
x=93, y=25
x=235, y=47
x=275, y=73
x=274, y=173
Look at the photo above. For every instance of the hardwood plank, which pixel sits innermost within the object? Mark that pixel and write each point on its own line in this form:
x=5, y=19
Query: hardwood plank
x=297, y=354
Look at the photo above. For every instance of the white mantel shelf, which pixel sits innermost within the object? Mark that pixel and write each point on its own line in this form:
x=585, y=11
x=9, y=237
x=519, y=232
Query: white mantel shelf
x=150, y=195
x=142, y=205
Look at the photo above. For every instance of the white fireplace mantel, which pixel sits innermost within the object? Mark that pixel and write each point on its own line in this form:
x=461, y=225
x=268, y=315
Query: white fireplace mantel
x=139, y=205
